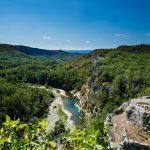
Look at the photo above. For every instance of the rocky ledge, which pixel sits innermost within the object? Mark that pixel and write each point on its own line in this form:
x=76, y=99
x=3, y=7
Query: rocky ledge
x=130, y=125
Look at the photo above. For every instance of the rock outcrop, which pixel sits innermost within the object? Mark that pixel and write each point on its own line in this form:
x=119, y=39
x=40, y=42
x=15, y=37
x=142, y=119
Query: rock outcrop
x=96, y=65
x=130, y=125
x=87, y=94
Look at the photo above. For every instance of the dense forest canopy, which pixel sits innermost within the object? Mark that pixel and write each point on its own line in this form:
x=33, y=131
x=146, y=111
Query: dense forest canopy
x=122, y=74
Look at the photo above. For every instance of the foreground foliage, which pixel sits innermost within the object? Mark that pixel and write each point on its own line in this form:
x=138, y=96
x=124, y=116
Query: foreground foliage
x=85, y=140
x=17, y=136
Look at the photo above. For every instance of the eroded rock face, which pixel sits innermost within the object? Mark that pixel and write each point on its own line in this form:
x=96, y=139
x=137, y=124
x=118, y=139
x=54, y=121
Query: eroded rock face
x=130, y=125
x=121, y=109
x=96, y=65
x=86, y=96
x=137, y=109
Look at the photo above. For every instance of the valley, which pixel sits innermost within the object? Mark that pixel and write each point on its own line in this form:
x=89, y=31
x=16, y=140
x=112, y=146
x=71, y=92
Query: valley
x=69, y=97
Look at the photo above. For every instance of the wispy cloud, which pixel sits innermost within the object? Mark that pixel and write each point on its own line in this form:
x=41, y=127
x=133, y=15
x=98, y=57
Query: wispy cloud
x=121, y=35
x=148, y=34
x=46, y=37
x=87, y=42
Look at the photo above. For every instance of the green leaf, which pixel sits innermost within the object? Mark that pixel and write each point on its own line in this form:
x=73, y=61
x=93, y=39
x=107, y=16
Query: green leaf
x=99, y=147
x=21, y=126
x=43, y=124
x=1, y=130
x=2, y=141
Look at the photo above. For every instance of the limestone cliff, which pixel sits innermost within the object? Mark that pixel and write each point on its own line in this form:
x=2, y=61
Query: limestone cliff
x=130, y=125
x=87, y=94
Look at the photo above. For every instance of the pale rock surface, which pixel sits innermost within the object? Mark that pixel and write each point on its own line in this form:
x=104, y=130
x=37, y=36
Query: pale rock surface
x=126, y=125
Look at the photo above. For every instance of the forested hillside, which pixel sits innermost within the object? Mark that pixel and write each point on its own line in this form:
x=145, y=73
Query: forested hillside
x=113, y=76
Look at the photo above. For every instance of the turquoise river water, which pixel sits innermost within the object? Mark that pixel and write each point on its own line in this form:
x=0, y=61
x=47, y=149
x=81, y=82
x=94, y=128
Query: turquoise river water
x=69, y=105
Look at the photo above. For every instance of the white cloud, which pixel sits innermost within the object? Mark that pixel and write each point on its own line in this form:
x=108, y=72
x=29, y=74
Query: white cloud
x=148, y=34
x=46, y=37
x=87, y=42
x=121, y=35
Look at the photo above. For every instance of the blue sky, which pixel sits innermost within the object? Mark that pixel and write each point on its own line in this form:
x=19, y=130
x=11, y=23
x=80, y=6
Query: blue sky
x=74, y=24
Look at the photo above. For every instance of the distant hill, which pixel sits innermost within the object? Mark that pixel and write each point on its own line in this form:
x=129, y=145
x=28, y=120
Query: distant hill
x=143, y=48
x=78, y=51
x=7, y=48
x=39, y=52
x=136, y=49
x=36, y=51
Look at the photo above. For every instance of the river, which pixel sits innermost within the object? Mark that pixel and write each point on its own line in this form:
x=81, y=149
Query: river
x=66, y=103
x=69, y=105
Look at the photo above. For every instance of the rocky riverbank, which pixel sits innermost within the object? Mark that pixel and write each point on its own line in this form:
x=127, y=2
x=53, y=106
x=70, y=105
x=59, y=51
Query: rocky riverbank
x=53, y=115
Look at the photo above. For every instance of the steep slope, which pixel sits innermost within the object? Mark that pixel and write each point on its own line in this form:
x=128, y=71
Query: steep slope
x=113, y=76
